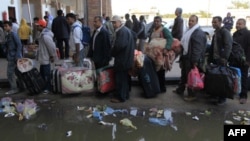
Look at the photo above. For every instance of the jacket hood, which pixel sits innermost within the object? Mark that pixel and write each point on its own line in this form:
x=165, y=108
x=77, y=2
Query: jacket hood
x=23, y=22
x=47, y=32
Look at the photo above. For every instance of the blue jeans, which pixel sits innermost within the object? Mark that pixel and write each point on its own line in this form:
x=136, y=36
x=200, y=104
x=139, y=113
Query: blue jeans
x=11, y=74
x=45, y=73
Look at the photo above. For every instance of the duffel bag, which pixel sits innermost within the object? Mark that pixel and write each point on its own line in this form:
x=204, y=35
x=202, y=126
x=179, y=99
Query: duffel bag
x=219, y=81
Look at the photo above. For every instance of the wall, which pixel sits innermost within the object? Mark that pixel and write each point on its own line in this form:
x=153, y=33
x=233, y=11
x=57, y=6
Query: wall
x=4, y=7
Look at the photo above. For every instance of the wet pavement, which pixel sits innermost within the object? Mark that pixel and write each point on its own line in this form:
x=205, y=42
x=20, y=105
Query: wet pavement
x=70, y=117
x=62, y=118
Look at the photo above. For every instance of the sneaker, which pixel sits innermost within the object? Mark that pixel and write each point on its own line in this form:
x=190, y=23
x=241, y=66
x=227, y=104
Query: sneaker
x=190, y=98
x=12, y=92
x=243, y=100
x=45, y=92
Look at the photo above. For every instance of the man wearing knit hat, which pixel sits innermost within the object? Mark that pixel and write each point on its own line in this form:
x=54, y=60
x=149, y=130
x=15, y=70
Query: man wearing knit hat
x=123, y=52
x=46, y=52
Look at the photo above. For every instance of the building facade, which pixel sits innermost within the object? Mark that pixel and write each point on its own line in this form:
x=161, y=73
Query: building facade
x=29, y=9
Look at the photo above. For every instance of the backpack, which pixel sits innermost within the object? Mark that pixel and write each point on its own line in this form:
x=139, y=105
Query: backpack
x=85, y=34
x=237, y=57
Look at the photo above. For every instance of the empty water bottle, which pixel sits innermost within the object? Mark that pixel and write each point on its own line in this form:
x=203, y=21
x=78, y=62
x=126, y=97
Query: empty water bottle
x=159, y=121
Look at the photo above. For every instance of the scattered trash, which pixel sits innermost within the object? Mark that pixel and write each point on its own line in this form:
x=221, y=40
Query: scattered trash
x=188, y=113
x=208, y=112
x=229, y=122
x=141, y=139
x=69, y=133
x=159, y=113
x=81, y=108
x=159, y=121
x=241, y=111
x=246, y=119
x=127, y=122
x=106, y=123
x=97, y=114
x=9, y=115
x=238, y=118
x=42, y=126
x=174, y=127
x=195, y=118
x=133, y=111
x=113, y=131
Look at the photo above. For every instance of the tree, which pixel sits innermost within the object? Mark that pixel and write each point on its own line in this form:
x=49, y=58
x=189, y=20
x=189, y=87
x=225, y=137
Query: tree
x=237, y=4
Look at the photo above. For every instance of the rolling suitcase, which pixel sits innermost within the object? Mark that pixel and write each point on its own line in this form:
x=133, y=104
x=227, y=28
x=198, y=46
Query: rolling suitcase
x=77, y=80
x=55, y=81
x=33, y=80
x=237, y=79
x=105, y=79
x=148, y=79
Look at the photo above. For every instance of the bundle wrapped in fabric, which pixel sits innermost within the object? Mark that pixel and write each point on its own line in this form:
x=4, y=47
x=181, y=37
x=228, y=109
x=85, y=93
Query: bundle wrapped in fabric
x=25, y=64
x=161, y=58
x=138, y=62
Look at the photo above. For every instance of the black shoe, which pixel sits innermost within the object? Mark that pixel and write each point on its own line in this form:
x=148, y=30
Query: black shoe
x=221, y=101
x=178, y=91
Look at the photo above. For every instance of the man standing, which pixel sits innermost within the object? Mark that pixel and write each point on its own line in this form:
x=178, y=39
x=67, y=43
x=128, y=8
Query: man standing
x=220, y=48
x=100, y=46
x=194, y=45
x=46, y=52
x=228, y=22
x=177, y=30
x=35, y=32
x=128, y=22
x=61, y=30
x=242, y=36
x=123, y=52
x=142, y=34
x=75, y=42
x=13, y=48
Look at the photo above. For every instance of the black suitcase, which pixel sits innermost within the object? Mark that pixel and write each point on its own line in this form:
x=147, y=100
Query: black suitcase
x=148, y=79
x=56, y=81
x=33, y=80
x=220, y=81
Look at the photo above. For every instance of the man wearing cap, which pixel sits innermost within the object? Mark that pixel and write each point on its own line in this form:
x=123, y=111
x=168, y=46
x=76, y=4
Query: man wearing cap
x=76, y=46
x=46, y=52
x=123, y=52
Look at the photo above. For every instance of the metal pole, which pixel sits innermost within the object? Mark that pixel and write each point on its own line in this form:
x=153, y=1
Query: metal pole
x=57, y=5
x=29, y=12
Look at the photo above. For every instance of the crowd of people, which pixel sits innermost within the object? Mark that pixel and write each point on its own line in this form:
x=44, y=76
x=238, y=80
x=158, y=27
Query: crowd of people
x=113, y=37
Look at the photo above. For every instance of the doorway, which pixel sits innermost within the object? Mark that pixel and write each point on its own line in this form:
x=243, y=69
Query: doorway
x=12, y=12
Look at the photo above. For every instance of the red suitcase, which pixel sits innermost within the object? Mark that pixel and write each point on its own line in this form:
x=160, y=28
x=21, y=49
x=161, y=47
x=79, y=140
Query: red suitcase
x=105, y=79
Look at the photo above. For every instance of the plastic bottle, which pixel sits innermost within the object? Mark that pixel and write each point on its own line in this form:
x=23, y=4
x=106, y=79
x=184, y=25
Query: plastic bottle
x=162, y=122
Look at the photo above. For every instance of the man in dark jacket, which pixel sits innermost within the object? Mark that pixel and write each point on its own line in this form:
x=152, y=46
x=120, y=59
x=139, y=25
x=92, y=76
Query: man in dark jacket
x=194, y=45
x=61, y=30
x=228, y=22
x=128, y=22
x=221, y=47
x=242, y=36
x=123, y=52
x=177, y=30
x=100, y=46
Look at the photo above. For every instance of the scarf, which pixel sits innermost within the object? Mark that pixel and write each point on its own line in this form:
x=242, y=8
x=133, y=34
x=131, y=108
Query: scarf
x=186, y=37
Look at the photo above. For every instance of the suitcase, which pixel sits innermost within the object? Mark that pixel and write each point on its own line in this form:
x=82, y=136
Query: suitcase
x=55, y=81
x=77, y=80
x=105, y=79
x=33, y=80
x=220, y=81
x=148, y=79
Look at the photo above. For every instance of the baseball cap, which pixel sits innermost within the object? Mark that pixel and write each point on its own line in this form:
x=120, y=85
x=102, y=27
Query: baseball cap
x=116, y=18
x=41, y=23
